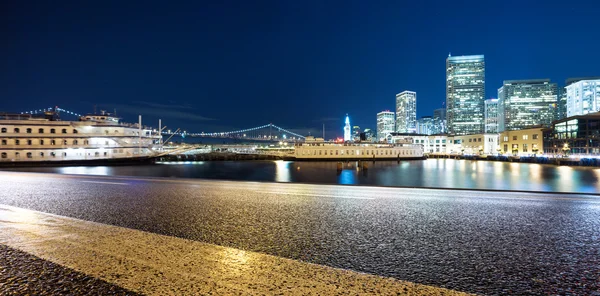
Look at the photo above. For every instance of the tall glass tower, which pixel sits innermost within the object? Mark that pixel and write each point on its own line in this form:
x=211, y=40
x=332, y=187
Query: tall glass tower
x=406, y=112
x=583, y=96
x=526, y=103
x=491, y=115
x=465, y=91
x=385, y=124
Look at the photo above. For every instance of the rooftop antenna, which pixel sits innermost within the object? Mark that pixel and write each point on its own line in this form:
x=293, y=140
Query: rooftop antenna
x=115, y=112
x=95, y=109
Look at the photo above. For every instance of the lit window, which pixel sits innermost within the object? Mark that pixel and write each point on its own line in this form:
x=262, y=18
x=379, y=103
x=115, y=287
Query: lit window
x=525, y=137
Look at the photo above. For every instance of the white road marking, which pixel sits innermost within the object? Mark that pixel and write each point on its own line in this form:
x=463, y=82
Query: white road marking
x=155, y=264
x=104, y=182
x=316, y=195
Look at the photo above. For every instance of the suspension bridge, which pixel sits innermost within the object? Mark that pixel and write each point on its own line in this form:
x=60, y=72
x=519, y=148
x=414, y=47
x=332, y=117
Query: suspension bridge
x=268, y=132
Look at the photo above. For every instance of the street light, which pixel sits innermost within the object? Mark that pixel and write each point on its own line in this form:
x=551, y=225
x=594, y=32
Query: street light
x=566, y=149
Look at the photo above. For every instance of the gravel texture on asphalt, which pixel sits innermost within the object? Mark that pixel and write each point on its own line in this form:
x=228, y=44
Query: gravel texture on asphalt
x=24, y=274
x=154, y=264
x=472, y=241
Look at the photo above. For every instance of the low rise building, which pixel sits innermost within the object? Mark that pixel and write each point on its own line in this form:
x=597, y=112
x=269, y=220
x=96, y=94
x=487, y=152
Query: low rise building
x=525, y=142
x=476, y=144
x=431, y=143
x=576, y=135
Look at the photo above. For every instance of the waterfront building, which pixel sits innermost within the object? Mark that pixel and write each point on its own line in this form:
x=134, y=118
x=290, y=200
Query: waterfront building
x=576, y=135
x=583, y=96
x=385, y=124
x=406, y=112
x=526, y=103
x=523, y=142
x=425, y=125
x=491, y=115
x=465, y=91
x=475, y=144
x=347, y=135
x=439, y=121
x=431, y=143
x=318, y=149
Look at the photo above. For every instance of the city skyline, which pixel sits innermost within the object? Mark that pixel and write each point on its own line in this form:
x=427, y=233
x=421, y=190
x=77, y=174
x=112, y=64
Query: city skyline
x=286, y=63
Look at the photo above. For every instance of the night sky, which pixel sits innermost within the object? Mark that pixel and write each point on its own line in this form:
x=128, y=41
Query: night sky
x=225, y=65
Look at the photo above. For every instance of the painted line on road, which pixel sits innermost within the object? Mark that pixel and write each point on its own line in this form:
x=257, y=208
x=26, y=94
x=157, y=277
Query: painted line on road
x=156, y=264
x=103, y=182
x=315, y=195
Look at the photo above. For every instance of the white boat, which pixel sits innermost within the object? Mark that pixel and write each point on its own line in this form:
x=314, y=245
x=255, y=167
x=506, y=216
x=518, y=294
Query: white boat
x=27, y=139
x=317, y=149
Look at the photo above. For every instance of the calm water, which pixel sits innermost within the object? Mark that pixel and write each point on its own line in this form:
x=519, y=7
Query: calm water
x=446, y=173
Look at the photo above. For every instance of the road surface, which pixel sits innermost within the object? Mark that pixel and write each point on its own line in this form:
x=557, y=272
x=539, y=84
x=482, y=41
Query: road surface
x=480, y=242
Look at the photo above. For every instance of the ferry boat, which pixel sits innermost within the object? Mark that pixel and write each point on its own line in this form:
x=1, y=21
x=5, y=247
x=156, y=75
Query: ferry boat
x=318, y=149
x=45, y=139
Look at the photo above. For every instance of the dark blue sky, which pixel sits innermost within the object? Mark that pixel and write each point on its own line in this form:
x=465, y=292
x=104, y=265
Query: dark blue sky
x=218, y=65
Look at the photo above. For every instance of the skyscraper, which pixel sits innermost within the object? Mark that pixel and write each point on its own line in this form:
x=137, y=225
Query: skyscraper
x=561, y=111
x=406, y=112
x=385, y=124
x=356, y=133
x=583, y=96
x=439, y=121
x=465, y=90
x=491, y=115
x=347, y=135
x=526, y=103
x=425, y=125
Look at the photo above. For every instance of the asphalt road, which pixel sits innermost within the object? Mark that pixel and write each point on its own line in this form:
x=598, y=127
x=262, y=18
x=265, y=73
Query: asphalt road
x=473, y=241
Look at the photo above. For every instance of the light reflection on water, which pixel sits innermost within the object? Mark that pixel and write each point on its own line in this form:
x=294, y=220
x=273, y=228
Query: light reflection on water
x=446, y=173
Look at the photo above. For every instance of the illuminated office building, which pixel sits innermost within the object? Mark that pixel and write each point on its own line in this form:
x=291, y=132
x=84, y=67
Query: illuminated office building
x=491, y=115
x=439, y=121
x=583, y=96
x=406, y=112
x=385, y=124
x=465, y=90
x=425, y=125
x=526, y=103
